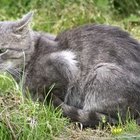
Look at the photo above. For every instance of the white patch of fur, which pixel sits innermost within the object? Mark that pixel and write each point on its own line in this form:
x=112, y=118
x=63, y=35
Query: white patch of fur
x=69, y=59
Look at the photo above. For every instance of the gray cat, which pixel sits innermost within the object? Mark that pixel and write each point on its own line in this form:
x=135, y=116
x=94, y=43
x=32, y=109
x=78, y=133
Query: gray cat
x=95, y=69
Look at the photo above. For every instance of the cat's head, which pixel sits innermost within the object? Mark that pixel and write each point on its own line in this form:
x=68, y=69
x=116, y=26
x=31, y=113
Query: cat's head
x=15, y=41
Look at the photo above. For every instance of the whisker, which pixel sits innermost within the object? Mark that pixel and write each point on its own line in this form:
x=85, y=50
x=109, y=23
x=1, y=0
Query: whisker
x=14, y=73
x=17, y=70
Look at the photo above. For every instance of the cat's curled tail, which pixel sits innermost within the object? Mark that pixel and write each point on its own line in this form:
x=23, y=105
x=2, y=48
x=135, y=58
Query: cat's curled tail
x=87, y=118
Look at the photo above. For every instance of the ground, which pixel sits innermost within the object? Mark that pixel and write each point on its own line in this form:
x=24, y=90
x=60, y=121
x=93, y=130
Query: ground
x=23, y=119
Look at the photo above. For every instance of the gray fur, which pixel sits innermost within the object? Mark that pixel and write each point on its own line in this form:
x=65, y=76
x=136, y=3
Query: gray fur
x=95, y=68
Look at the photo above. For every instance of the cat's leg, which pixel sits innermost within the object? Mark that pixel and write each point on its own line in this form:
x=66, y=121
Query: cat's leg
x=109, y=94
x=85, y=117
x=113, y=92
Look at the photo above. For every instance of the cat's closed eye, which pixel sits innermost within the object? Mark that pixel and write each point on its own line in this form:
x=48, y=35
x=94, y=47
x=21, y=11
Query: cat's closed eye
x=3, y=50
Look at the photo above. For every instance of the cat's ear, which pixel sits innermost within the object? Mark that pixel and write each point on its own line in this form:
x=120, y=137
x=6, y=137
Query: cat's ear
x=24, y=22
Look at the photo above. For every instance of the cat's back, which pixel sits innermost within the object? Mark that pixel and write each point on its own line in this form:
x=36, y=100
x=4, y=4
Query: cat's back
x=91, y=32
x=95, y=44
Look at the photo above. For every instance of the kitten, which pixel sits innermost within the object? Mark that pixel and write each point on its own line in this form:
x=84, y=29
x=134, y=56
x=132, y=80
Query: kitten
x=95, y=68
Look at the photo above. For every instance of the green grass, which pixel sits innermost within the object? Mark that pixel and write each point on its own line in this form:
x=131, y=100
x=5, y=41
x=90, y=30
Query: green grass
x=23, y=119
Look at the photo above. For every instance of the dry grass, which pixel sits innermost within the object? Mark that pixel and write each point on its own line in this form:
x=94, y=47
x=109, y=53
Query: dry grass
x=22, y=119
